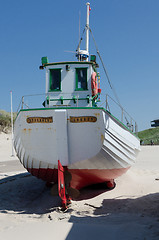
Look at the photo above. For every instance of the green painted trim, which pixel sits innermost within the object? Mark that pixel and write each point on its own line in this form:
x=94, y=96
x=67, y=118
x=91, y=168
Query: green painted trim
x=74, y=99
x=95, y=96
x=50, y=80
x=54, y=108
x=55, y=90
x=81, y=89
x=88, y=99
x=65, y=99
x=44, y=60
x=63, y=63
x=38, y=109
x=61, y=98
x=94, y=68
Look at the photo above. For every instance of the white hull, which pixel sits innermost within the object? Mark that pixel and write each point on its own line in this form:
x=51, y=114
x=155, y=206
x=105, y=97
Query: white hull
x=104, y=144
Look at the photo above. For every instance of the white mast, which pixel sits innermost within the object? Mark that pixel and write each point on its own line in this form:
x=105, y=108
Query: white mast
x=87, y=29
x=84, y=54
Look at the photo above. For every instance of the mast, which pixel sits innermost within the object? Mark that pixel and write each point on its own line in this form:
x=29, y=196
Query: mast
x=87, y=29
x=83, y=55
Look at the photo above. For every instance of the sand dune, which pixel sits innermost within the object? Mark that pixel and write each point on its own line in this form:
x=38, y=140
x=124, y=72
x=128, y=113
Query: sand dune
x=130, y=211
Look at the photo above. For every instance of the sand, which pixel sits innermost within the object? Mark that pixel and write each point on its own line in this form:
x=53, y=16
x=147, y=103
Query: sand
x=130, y=211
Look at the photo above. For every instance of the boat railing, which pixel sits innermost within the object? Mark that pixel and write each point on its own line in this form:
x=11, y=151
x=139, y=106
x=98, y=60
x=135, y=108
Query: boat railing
x=56, y=100
x=39, y=100
x=119, y=112
x=28, y=102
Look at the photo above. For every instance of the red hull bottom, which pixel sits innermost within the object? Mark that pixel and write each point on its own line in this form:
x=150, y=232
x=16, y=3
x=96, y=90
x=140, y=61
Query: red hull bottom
x=80, y=177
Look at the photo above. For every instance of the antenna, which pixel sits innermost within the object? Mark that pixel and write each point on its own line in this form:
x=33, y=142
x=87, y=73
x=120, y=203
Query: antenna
x=79, y=25
x=87, y=29
x=79, y=33
x=83, y=55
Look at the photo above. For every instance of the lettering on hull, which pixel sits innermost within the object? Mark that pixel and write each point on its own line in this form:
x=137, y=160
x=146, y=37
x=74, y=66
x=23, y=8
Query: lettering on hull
x=83, y=119
x=39, y=120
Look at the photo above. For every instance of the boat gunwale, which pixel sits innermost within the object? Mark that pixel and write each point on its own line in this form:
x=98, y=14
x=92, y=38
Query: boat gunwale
x=93, y=108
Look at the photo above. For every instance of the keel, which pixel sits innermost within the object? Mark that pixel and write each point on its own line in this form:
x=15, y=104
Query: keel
x=61, y=186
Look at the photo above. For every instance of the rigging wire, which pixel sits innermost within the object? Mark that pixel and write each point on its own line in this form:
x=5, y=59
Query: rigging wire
x=80, y=40
x=106, y=73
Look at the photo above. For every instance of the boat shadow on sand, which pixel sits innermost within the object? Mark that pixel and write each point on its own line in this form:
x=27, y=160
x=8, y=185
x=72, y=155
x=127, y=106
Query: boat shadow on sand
x=128, y=218
x=25, y=194
x=118, y=219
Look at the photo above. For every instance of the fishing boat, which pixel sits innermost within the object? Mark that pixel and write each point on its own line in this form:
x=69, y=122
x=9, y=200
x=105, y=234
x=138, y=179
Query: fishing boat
x=72, y=142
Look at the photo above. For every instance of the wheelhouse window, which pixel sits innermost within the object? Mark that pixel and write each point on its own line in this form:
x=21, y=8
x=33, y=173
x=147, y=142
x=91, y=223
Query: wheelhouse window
x=55, y=80
x=81, y=79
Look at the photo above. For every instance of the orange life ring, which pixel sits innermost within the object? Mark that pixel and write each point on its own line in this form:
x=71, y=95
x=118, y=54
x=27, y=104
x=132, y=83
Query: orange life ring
x=94, y=84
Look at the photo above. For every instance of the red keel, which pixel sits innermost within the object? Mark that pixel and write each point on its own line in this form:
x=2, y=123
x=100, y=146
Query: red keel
x=61, y=186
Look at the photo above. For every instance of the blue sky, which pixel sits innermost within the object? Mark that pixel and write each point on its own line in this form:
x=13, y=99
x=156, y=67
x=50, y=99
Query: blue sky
x=126, y=32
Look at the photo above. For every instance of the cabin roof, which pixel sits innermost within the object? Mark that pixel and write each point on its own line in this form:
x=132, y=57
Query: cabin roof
x=93, y=64
x=73, y=62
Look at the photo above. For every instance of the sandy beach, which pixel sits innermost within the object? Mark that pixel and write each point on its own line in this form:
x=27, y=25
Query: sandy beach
x=130, y=211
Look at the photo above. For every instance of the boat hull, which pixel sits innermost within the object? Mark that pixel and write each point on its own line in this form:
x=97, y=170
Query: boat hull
x=80, y=177
x=89, y=142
